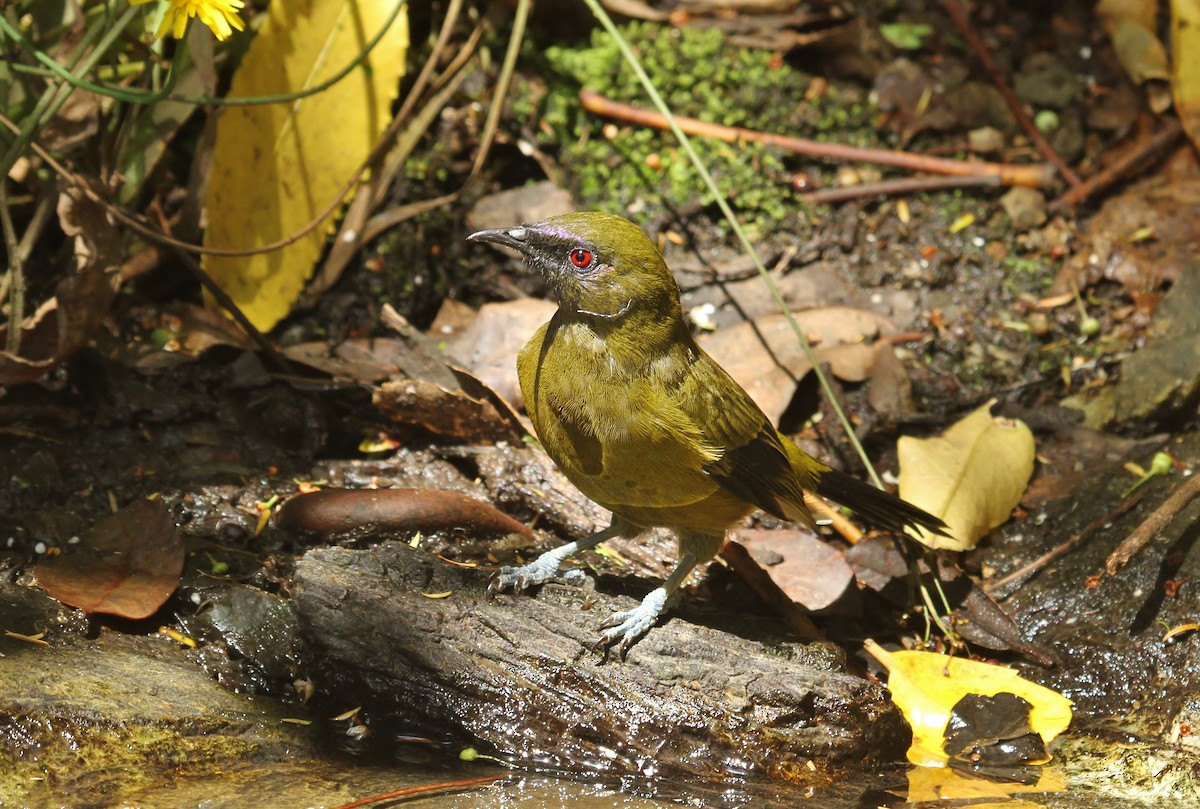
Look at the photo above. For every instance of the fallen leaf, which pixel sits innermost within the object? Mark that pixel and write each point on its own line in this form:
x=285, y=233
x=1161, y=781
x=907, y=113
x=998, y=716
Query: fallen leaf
x=127, y=564
x=972, y=475
x=765, y=358
x=354, y=512
x=277, y=166
x=1185, y=65
x=926, y=687
x=1131, y=25
x=450, y=413
x=931, y=786
x=811, y=572
x=488, y=346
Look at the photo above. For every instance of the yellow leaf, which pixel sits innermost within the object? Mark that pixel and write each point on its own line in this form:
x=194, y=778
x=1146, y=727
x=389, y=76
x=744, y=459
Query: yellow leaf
x=1185, y=65
x=972, y=475
x=277, y=166
x=926, y=687
x=929, y=784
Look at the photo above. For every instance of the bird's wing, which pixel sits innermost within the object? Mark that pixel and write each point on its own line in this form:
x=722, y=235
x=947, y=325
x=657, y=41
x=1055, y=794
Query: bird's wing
x=753, y=463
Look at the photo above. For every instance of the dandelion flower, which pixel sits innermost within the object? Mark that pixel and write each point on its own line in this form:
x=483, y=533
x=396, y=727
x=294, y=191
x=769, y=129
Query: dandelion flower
x=219, y=15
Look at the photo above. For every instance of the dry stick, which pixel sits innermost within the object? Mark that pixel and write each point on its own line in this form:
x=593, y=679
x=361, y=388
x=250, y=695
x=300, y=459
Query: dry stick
x=1153, y=525
x=14, y=278
x=391, y=161
x=1119, y=169
x=274, y=356
x=997, y=587
x=1034, y=176
x=997, y=76
x=906, y=185
x=409, y=792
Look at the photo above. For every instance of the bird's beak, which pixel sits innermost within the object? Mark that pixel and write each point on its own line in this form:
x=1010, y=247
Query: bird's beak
x=516, y=238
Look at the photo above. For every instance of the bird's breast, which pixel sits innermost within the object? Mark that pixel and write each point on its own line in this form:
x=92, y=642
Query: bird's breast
x=613, y=431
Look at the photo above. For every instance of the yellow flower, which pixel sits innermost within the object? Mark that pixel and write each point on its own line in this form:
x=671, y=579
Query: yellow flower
x=219, y=15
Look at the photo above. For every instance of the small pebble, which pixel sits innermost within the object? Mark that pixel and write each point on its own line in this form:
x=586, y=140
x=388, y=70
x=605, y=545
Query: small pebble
x=985, y=140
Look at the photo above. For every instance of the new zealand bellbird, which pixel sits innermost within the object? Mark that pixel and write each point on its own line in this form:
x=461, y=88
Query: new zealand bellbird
x=643, y=421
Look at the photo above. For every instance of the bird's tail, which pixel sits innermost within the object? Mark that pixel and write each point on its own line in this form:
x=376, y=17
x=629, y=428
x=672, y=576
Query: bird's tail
x=875, y=505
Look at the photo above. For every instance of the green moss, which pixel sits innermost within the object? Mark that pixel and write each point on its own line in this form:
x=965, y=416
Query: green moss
x=701, y=76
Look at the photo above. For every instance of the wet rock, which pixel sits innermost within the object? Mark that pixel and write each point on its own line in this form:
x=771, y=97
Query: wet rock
x=1160, y=380
x=1045, y=81
x=1026, y=207
x=122, y=720
x=250, y=638
x=985, y=140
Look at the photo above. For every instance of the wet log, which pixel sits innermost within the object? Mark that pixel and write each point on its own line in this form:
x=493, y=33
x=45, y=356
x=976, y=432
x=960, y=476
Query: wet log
x=418, y=645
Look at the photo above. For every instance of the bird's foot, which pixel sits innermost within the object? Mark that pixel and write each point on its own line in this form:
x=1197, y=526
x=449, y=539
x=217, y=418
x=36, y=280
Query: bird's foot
x=539, y=571
x=627, y=627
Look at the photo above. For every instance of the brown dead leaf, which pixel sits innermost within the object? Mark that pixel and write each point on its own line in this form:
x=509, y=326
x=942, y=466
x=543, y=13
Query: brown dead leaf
x=63, y=324
x=357, y=511
x=513, y=206
x=488, y=346
x=972, y=475
x=127, y=564
x=765, y=358
x=1114, y=252
x=890, y=391
x=811, y=572
x=198, y=329
x=444, y=412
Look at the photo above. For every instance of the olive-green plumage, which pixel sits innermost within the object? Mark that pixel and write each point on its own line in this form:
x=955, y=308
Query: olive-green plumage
x=642, y=420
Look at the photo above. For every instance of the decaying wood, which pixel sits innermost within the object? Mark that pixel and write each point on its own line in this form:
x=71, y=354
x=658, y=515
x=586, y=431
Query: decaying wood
x=516, y=676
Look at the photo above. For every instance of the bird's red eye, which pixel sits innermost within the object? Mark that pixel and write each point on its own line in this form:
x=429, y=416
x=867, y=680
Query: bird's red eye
x=581, y=258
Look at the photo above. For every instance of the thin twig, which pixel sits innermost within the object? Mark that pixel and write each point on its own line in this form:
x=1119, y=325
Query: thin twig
x=393, y=162
x=1121, y=167
x=984, y=55
x=520, y=18
x=15, y=277
x=408, y=792
x=904, y=185
x=273, y=354
x=1153, y=525
x=839, y=522
x=999, y=588
x=1035, y=176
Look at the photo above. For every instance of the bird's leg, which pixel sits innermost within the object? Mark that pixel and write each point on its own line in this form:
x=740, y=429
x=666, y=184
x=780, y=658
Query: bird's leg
x=542, y=569
x=627, y=627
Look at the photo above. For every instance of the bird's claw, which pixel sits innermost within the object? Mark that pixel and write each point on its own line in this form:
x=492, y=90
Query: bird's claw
x=515, y=579
x=621, y=631
x=539, y=571
x=624, y=629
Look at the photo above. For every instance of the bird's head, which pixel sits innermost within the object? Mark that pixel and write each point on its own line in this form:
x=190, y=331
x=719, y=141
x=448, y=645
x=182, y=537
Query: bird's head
x=597, y=264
